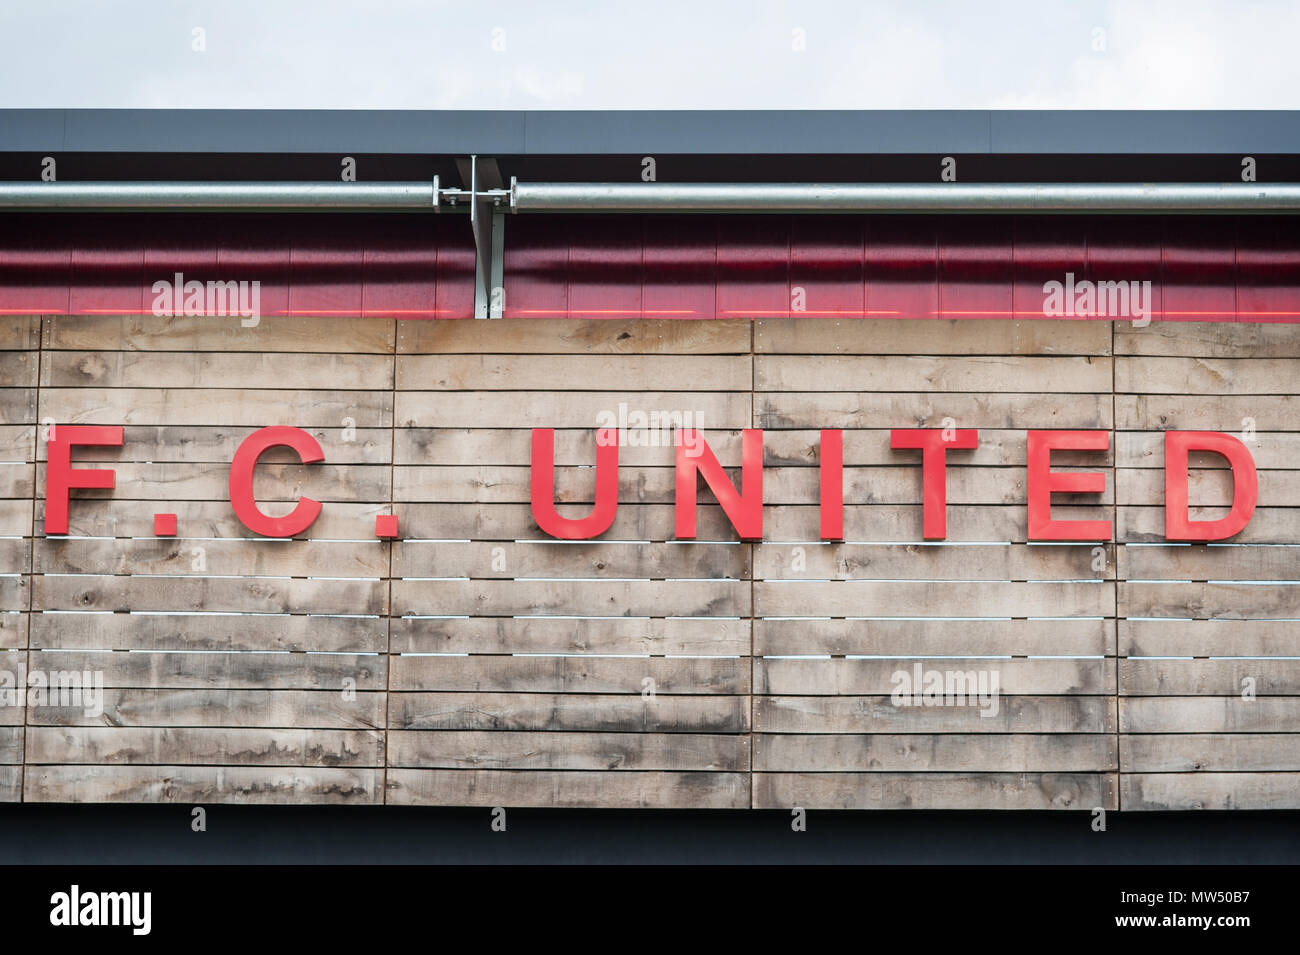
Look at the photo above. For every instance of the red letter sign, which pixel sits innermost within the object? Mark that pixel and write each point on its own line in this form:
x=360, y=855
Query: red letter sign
x=1245, y=485
x=60, y=475
x=1043, y=481
x=542, y=485
x=934, y=475
x=832, y=481
x=241, y=481
x=745, y=511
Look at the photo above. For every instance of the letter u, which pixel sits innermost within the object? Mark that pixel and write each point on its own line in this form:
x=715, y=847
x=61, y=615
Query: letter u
x=542, y=486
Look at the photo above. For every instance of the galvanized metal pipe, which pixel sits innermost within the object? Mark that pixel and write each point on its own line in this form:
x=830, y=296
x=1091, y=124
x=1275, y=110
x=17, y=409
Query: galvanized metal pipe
x=908, y=197
x=217, y=196
x=1135, y=198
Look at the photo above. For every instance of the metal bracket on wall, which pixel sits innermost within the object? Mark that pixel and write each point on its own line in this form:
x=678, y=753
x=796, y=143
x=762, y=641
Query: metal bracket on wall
x=487, y=220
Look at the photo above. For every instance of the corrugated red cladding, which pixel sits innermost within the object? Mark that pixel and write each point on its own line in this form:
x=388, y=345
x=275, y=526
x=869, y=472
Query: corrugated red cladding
x=1211, y=268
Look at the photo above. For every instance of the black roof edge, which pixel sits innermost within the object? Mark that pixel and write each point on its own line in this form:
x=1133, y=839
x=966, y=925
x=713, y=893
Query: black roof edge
x=649, y=132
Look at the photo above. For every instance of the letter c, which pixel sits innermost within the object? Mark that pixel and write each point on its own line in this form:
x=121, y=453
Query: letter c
x=241, y=481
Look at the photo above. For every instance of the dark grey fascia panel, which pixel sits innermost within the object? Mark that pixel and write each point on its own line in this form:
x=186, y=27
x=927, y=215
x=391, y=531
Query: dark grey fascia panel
x=622, y=132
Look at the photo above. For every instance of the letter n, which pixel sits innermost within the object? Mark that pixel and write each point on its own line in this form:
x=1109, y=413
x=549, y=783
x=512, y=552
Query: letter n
x=542, y=487
x=744, y=510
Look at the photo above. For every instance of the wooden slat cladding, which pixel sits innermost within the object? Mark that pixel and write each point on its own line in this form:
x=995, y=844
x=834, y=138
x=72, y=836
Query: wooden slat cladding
x=528, y=671
x=233, y=668
x=476, y=661
x=19, y=378
x=1209, y=678
x=1020, y=636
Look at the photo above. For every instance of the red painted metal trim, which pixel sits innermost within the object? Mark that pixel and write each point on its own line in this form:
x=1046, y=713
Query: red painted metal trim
x=1201, y=268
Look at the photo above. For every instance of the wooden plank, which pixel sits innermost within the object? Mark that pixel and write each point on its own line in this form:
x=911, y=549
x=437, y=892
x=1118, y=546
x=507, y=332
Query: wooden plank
x=962, y=752
x=679, y=636
x=220, y=746
x=467, y=749
x=16, y=518
x=567, y=409
x=206, y=369
x=1206, y=487
x=1209, y=752
x=1271, y=450
x=572, y=789
x=569, y=674
x=564, y=559
x=934, y=790
x=847, y=561
x=924, y=599
x=1158, y=714
x=17, y=479
x=804, y=409
x=20, y=332
x=190, y=785
x=17, y=442
x=312, y=709
x=271, y=482
x=606, y=598
x=984, y=373
x=886, y=336
x=18, y=368
x=1203, y=638
x=843, y=677
x=1210, y=339
x=11, y=783
x=15, y=555
x=17, y=405
x=180, y=594
x=1268, y=525
x=1210, y=562
x=1209, y=601
x=1160, y=791
x=502, y=485
x=205, y=519
x=179, y=443
x=610, y=713
x=13, y=680
x=510, y=522
x=249, y=407
x=857, y=714
x=492, y=372
x=1203, y=376
x=11, y=745
x=174, y=556
x=13, y=629
x=526, y=336
x=1209, y=677
x=15, y=593
x=222, y=670
x=1206, y=412
x=231, y=632
x=303, y=334
x=870, y=446
x=1088, y=637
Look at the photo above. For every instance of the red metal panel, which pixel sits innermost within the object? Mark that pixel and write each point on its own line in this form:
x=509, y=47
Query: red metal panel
x=1268, y=270
x=902, y=267
x=1127, y=249
x=605, y=272
x=753, y=266
x=1200, y=270
x=107, y=268
x=536, y=267
x=680, y=267
x=35, y=266
x=827, y=264
x=975, y=268
x=1045, y=250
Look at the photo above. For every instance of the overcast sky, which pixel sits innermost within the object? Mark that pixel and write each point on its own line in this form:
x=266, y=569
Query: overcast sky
x=651, y=54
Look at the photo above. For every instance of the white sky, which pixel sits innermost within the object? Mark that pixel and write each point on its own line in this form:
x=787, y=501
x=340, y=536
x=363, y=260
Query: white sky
x=652, y=54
